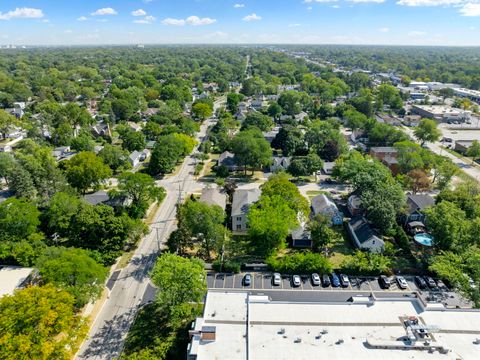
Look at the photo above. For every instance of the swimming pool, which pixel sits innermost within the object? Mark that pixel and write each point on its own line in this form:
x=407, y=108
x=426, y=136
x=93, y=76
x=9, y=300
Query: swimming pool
x=424, y=239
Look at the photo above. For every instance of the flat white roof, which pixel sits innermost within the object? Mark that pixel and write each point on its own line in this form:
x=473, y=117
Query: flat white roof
x=263, y=330
x=12, y=277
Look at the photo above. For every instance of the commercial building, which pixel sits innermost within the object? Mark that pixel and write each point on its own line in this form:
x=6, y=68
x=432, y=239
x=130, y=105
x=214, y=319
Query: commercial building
x=473, y=95
x=13, y=278
x=441, y=113
x=239, y=326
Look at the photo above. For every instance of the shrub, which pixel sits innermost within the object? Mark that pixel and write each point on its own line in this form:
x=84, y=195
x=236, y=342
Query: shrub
x=228, y=266
x=300, y=263
x=362, y=263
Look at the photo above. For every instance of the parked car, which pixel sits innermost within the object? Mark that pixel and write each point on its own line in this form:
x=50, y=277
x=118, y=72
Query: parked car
x=402, y=283
x=420, y=282
x=430, y=282
x=326, y=280
x=344, y=281
x=296, y=282
x=315, y=279
x=335, y=280
x=247, y=280
x=384, y=282
x=276, y=279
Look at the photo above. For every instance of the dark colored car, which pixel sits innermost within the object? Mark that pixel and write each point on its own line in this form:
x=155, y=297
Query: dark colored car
x=420, y=282
x=335, y=280
x=326, y=280
x=384, y=282
x=247, y=280
x=430, y=282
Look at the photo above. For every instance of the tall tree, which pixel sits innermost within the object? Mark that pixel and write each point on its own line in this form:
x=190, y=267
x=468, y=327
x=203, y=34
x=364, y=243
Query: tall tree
x=85, y=170
x=19, y=218
x=474, y=150
x=427, y=131
x=251, y=149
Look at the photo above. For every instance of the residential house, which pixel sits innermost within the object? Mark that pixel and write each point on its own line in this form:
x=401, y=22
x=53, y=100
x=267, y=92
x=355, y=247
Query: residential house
x=227, y=159
x=301, y=117
x=134, y=126
x=15, y=277
x=100, y=129
x=416, y=204
x=354, y=205
x=270, y=135
x=102, y=197
x=242, y=200
x=412, y=120
x=19, y=109
x=259, y=102
x=363, y=236
x=328, y=167
x=151, y=144
x=388, y=119
x=387, y=155
x=214, y=196
x=61, y=152
x=322, y=205
x=280, y=163
x=135, y=158
x=301, y=237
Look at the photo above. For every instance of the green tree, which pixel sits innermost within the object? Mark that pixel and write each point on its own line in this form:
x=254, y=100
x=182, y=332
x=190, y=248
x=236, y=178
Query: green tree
x=446, y=222
x=85, y=170
x=19, y=219
x=7, y=165
x=270, y=221
x=322, y=233
x=133, y=140
x=179, y=281
x=257, y=119
x=115, y=157
x=141, y=190
x=474, y=150
x=251, y=149
x=73, y=270
x=83, y=142
x=202, y=111
x=233, y=100
x=300, y=263
x=40, y=323
x=363, y=263
x=427, y=131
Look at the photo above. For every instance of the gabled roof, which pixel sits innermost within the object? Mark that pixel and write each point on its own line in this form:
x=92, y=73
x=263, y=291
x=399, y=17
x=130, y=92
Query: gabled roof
x=213, y=196
x=321, y=202
x=243, y=199
x=384, y=149
x=135, y=155
x=227, y=159
x=281, y=161
x=419, y=202
x=362, y=230
x=96, y=198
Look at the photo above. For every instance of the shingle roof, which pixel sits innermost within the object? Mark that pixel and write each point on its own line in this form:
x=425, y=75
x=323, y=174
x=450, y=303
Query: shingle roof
x=419, y=202
x=362, y=230
x=242, y=199
x=321, y=202
x=96, y=198
x=227, y=159
x=213, y=196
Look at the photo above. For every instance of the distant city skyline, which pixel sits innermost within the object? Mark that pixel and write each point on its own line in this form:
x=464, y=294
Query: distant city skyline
x=368, y=22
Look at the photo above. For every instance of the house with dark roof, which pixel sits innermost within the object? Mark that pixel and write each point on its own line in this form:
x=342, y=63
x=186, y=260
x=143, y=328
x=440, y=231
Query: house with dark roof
x=363, y=236
x=243, y=199
x=213, y=196
x=227, y=159
x=321, y=204
x=301, y=237
x=415, y=205
x=103, y=197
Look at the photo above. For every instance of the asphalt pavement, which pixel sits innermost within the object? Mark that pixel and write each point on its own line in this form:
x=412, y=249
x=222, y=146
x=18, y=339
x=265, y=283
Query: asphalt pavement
x=131, y=288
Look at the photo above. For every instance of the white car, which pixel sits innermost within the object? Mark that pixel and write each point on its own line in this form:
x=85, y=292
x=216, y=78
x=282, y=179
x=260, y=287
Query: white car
x=296, y=282
x=276, y=279
x=402, y=283
x=315, y=279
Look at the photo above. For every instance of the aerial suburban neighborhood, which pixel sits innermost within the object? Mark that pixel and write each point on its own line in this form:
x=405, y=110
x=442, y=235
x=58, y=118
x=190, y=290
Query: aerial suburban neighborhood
x=238, y=201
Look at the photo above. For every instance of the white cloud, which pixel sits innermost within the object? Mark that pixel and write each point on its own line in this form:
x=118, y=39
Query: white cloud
x=318, y=1
x=46, y=21
x=139, y=12
x=238, y=6
x=146, y=20
x=294, y=25
x=470, y=9
x=428, y=2
x=366, y=1
x=174, y=22
x=82, y=18
x=416, y=33
x=252, y=17
x=309, y=8
x=191, y=20
x=104, y=11
x=335, y=6
x=196, y=21
x=384, y=29
x=22, y=13
x=68, y=31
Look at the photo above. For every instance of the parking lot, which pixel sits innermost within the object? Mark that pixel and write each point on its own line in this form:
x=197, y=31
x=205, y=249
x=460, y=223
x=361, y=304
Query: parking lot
x=263, y=281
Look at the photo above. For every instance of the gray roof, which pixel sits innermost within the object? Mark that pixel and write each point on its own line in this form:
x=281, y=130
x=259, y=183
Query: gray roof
x=419, y=202
x=96, y=198
x=384, y=149
x=362, y=230
x=135, y=155
x=213, y=196
x=320, y=203
x=227, y=159
x=281, y=161
x=243, y=199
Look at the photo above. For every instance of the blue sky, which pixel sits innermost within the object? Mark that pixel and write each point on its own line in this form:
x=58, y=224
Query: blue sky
x=395, y=22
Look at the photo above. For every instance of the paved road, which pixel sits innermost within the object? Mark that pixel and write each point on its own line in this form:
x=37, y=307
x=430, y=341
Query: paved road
x=467, y=167
x=131, y=287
